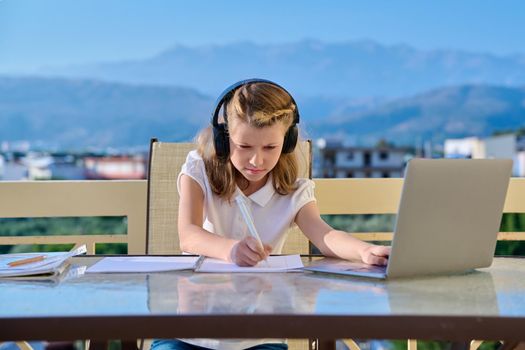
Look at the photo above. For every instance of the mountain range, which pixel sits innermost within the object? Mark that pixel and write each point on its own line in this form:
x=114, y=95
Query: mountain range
x=80, y=113
x=66, y=113
x=361, y=91
x=352, y=69
x=450, y=112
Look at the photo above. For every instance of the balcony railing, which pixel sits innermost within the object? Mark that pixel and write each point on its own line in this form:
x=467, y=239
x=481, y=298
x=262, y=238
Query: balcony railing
x=78, y=199
x=128, y=198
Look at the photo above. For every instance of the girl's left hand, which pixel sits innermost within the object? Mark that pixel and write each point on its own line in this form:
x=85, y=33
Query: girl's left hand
x=375, y=254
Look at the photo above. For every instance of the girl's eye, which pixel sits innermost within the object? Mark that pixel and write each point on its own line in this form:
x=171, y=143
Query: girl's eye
x=244, y=146
x=270, y=147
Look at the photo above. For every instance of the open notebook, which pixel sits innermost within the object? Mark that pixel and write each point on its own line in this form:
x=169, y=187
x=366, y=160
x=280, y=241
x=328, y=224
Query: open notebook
x=278, y=263
x=130, y=264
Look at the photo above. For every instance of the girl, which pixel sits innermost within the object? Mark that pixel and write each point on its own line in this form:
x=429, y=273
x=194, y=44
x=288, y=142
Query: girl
x=250, y=154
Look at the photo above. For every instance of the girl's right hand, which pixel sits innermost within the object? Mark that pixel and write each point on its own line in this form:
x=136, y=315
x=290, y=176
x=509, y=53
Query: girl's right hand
x=248, y=252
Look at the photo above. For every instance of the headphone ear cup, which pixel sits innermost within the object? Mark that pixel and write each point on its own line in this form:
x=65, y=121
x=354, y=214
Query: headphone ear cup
x=221, y=142
x=290, y=139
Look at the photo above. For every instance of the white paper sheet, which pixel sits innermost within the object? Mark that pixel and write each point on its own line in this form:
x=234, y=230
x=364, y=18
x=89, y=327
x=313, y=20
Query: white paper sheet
x=278, y=263
x=124, y=264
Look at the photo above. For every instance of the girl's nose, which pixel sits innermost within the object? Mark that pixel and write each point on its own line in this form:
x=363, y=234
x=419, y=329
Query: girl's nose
x=256, y=159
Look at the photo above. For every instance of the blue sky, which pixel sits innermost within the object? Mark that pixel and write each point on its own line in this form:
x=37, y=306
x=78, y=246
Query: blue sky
x=35, y=33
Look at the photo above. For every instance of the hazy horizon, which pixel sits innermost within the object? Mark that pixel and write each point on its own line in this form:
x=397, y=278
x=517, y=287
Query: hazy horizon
x=39, y=33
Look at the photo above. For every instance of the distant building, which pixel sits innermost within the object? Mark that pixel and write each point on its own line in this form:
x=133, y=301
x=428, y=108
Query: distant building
x=469, y=147
x=14, y=170
x=115, y=167
x=37, y=165
x=502, y=146
x=338, y=160
x=519, y=164
x=2, y=162
x=508, y=146
x=67, y=167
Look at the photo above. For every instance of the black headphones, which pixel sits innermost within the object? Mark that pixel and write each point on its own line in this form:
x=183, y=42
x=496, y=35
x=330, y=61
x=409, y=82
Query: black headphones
x=221, y=139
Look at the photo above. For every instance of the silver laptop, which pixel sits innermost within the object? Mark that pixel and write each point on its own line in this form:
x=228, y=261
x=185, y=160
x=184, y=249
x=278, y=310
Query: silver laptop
x=447, y=222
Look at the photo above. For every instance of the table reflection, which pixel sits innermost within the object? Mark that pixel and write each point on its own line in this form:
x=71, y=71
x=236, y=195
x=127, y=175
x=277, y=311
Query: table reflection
x=84, y=295
x=472, y=293
x=237, y=293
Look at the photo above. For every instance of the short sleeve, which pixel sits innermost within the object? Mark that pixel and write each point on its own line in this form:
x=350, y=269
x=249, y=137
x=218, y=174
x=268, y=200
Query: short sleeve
x=303, y=194
x=194, y=168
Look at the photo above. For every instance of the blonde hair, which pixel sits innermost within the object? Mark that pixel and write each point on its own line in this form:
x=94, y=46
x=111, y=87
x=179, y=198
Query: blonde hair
x=260, y=105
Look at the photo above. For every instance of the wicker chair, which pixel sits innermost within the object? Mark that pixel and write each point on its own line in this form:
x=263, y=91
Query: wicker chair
x=165, y=162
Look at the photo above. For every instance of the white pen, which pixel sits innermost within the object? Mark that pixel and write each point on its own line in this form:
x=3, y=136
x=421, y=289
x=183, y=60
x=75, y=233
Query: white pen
x=248, y=219
x=198, y=263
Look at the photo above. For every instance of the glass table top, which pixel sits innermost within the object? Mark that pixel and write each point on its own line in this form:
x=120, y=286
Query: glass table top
x=495, y=291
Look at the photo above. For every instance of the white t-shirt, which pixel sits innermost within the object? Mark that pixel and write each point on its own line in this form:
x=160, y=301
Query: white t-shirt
x=273, y=215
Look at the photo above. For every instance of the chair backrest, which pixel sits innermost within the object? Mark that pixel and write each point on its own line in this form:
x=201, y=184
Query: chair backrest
x=165, y=162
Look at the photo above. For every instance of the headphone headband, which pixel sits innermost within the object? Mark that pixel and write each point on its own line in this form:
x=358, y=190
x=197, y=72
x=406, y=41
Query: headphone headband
x=230, y=90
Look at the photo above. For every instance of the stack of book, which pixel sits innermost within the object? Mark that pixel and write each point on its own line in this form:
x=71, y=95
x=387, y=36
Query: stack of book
x=37, y=265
